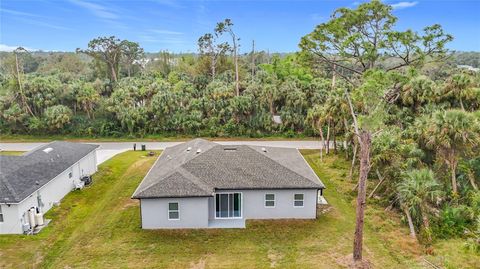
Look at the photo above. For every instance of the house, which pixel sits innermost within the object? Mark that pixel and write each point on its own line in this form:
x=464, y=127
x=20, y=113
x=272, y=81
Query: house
x=201, y=184
x=32, y=183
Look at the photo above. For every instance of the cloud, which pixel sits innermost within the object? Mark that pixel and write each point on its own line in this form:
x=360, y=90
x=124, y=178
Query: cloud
x=166, y=32
x=98, y=10
x=32, y=19
x=402, y=5
x=19, y=13
x=169, y=3
x=4, y=47
x=162, y=40
x=162, y=36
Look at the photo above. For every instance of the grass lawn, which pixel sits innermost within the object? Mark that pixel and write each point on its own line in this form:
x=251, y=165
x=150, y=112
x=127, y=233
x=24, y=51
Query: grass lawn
x=99, y=227
x=11, y=153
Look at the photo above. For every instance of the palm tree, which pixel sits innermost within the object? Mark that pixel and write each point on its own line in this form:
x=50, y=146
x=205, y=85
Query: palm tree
x=416, y=192
x=460, y=86
x=453, y=134
x=418, y=91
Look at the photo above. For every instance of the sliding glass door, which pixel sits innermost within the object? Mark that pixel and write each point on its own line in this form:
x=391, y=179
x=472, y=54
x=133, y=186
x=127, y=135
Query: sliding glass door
x=228, y=205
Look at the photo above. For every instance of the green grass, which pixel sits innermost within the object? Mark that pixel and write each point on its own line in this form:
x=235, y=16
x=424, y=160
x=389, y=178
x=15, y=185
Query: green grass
x=99, y=227
x=146, y=138
x=11, y=153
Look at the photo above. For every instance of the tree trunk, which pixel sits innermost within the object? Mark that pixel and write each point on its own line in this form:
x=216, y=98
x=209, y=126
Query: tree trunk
x=365, y=140
x=235, y=59
x=253, y=59
x=471, y=178
x=114, y=73
x=453, y=166
x=24, y=100
x=353, y=160
x=426, y=224
x=334, y=141
x=345, y=142
x=328, y=137
x=322, y=145
x=334, y=78
x=410, y=222
x=212, y=66
x=381, y=178
x=270, y=104
x=461, y=104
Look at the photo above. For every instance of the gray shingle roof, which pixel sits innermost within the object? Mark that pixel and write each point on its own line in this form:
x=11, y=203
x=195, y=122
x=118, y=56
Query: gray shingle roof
x=20, y=176
x=181, y=171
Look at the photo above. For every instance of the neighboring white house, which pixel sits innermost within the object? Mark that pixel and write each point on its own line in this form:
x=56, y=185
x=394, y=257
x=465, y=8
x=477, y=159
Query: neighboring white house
x=201, y=184
x=32, y=183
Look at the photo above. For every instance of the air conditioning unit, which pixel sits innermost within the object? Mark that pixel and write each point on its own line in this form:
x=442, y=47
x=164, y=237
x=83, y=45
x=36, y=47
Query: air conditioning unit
x=87, y=180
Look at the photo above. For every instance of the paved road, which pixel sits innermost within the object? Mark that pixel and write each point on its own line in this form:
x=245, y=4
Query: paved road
x=162, y=145
x=109, y=149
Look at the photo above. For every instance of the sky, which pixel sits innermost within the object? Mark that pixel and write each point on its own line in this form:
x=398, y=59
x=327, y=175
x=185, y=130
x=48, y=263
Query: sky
x=276, y=26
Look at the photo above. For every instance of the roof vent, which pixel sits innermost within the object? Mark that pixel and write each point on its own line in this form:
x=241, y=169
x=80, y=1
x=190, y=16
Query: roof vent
x=47, y=150
x=37, y=183
x=264, y=149
x=189, y=148
x=198, y=151
x=229, y=148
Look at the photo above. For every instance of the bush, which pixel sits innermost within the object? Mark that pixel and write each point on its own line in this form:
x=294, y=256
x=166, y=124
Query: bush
x=452, y=222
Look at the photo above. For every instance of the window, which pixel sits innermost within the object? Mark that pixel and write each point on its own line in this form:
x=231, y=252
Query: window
x=173, y=211
x=1, y=214
x=298, y=200
x=269, y=200
x=228, y=205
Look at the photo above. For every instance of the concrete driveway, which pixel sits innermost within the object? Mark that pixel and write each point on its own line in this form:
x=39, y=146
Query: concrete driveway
x=109, y=149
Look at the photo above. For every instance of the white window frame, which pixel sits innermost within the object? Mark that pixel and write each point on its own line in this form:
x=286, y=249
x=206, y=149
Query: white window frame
x=266, y=200
x=2, y=219
x=297, y=200
x=241, y=205
x=172, y=211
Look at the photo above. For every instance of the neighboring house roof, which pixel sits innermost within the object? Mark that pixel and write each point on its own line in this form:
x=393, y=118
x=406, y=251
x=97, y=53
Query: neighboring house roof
x=20, y=176
x=199, y=167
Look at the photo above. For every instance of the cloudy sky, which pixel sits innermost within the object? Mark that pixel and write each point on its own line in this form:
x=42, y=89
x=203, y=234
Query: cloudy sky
x=176, y=25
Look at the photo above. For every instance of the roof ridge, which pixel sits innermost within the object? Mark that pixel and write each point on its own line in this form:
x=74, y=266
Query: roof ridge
x=309, y=180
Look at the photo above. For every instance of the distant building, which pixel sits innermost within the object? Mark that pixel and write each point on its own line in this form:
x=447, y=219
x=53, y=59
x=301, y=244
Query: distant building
x=32, y=183
x=201, y=184
x=468, y=67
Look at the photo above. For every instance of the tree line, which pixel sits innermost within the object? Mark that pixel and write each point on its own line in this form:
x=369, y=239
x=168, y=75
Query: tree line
x=392, y=102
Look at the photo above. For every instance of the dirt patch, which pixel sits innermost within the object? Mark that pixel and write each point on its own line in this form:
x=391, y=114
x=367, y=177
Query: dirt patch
x=348, y=262
x=323, y=209
x=128, y=203
x=274, y=256
x=198, y=265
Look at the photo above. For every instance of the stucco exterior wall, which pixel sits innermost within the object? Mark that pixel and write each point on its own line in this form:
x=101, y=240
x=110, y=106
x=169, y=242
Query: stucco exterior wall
x=197, y=212
x=253, y=204
x=193, y=213
x=50, y=193
x=11, y=224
